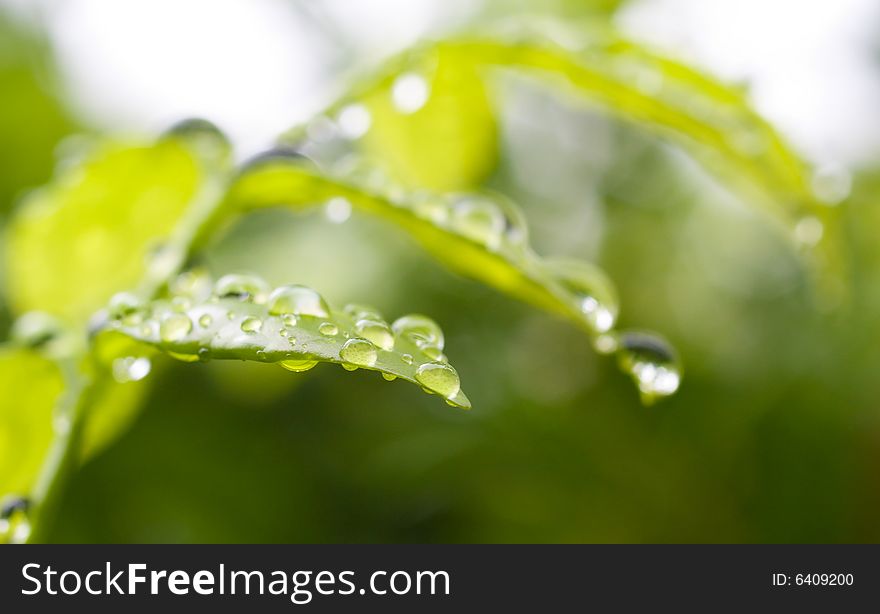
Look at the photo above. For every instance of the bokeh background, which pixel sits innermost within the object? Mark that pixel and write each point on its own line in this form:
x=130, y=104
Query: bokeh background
x=774, y=435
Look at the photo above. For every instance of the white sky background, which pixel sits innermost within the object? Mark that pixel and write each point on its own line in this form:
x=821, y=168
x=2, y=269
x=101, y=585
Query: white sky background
x=256, y=67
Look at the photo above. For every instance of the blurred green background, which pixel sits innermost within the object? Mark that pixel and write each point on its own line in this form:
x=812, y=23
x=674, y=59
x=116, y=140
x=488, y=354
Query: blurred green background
x=774, y=435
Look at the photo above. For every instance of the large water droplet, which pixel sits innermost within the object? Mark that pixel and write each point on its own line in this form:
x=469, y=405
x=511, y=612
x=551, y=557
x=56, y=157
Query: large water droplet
x=175, y=327
x=652, y=363
x=420, y=329
x=328, y=329
x=242, y=287
x=589, y=289
x=297, y=300
x=359, y=352
x=251, y=325
x=131, y=369
x=298, y=366
x=410, y=92
x=439, y=378
x=376, y=331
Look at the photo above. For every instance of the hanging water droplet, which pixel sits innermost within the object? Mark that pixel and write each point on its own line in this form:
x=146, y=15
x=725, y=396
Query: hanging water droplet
x=242, y=287
x=328, y=329
x=376, y=331
x=349, y=367
x=809, y=230
x=35, y=329
x=205, y=320
x=832, y=183
x=439, y=378
x=359, y=352
x=354, y=121
x=184, y=357
x=298, y=365
x=204, y=354
x=297, y=300
x=338, y=210
x=589, y=289
x=410, y=92
x=131, y=369
x=175, y=327
x=420, y=329
x=652, y=363
x=388, y=377
x=251, y=325
x=407, y=358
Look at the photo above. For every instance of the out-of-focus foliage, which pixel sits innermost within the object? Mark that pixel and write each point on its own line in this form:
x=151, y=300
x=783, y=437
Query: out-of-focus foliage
x=31, y=386
x=89, y=234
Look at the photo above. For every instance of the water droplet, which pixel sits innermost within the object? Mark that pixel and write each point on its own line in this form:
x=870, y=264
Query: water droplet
x=480, y=220
x=175, y=327
x=205, y=320
x=125, y=305
x=808, y=231
x=184, y=357
x=362, y=312
x=359, y=352
x=204, y=137
x=652, y=363
x=298, y=366
x=590, y=290
x=283, y=332
x=230, y=315
x=35, y=329
x=195, y=285
x=409, y=93
x=389, y=377
x=15, y=525
x=376, y=331
x=180, y=303
x=434, y=353
x=292, y=340
x=204, y=354
x=337, y=210
x=420, y=329
x=131, y=369
x=407, y=358
x=242, y=287
x=298, y=300
x=605, y=344
x=288, y=319
x=439, y=378
x=328, y=329
x=832, y=183
x=354, y=121
x=251, y=325
x=433, y=209
x=349, y=367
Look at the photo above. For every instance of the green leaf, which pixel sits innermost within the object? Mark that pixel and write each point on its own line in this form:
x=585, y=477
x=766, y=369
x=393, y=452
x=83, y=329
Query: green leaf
x=293, y=327
x=89, y=233
x=481, y=236
x=31, y=384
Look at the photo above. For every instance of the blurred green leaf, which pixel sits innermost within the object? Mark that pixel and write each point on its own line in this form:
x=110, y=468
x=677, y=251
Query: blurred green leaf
x=89, y=233
x=31, y=387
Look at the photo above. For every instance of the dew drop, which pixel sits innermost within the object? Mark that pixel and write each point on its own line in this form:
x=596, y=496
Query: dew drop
x=359, y=352
x=388, y=377
x=180, y=303
x=242, y=287
x=205, y=320
x=376, y=331
x=407, y=358
x=230, y=315
x=409, y=93
x=420, y=329
x=297, y=300
x=204, y=354
x=439, y=378
x=652, y=363
x=590, y=290
x=15, y=524
x=349, y=367
x=337, y=210
x=288, y=319
x=832, y=183
x=251, y=325
x=124, y=305
x=480, y=220
x=184, y=357
x=131, y=369
x=434, y=353
x=175, y=327
x=328, y=329
x=283, y=332
x=354, y=121
x=298, y=366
